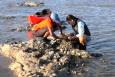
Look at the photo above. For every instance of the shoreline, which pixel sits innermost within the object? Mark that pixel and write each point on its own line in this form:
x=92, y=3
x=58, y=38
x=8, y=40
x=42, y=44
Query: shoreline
x=4, y=64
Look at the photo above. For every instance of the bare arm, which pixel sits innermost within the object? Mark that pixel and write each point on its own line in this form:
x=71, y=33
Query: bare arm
x=51, y=33
x=82, y=40
x=73, y=38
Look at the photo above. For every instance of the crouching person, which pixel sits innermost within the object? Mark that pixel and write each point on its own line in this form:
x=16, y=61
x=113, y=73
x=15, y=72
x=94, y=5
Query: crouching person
x=81, y=32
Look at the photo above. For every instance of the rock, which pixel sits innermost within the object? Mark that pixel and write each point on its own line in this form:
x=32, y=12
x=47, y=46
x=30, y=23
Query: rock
x=30, y=4
x=85, y=54
x=51, y=53
x=20, y=29
x=49, y=69
x=43, y=58
x=56, y=56
x=63, y=60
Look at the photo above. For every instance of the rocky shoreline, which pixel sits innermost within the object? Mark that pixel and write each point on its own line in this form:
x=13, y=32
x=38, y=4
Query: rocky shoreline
x=44, y=58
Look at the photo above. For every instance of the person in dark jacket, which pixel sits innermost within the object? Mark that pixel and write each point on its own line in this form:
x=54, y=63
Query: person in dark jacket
x=81, y=31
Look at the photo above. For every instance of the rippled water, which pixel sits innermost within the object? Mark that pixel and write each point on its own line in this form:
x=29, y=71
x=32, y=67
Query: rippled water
x=4, y=71
x=98, y=14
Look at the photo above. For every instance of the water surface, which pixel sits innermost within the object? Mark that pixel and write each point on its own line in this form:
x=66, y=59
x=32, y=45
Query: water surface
x=98, y=14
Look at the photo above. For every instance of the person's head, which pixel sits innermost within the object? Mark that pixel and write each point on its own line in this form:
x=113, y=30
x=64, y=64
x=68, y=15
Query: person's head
x=46, y=12
x=71, y=19
x=38, y=14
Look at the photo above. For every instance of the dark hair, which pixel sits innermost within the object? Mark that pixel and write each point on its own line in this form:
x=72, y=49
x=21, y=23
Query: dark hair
x=38, y=13
x=45, y=11
x=71, y=17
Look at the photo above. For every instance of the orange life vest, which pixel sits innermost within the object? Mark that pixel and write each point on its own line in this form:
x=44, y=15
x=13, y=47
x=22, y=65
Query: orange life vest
x=37, y=24
x=47, y=22
x=34, y=19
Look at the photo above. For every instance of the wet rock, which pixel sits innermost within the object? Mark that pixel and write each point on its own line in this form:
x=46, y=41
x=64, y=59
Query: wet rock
x=43, y=58
x=12, y=30
x=96, y=55
x=64, y=60
x=30, y=4
x=20, y=29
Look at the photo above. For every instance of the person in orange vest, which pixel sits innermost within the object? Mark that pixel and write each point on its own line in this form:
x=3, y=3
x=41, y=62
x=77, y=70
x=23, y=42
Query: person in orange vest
x=55, y=19
x=32, y=20
x=43, y=25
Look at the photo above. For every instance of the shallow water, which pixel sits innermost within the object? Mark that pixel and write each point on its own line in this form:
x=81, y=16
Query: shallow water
x=98, y=14
x=4, y=71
